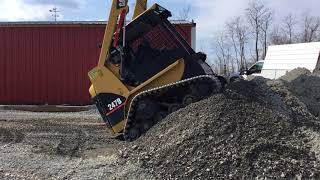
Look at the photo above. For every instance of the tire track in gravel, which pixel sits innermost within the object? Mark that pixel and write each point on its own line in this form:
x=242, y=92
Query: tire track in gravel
x=9, y=136
x=67, y=140
x=62, y=137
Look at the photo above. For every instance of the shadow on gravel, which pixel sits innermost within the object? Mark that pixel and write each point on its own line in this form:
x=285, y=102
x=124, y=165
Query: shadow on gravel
x=10, y=136
x=68, y=140
x=67, y=137
x=69, y=143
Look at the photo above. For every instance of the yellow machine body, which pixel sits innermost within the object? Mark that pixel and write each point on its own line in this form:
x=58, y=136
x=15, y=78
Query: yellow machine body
x=106, y=78
x=139, y=58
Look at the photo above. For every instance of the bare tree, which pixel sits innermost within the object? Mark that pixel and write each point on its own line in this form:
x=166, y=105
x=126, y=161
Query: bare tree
x=277, y=37
x=311, y=26
x=237, y=31
x=265, y=25
x=184, y=14
x=231, y=26
x=256, y=14
x=285, y=34
x=233, y=49
x=223, y=54
x=288, y=26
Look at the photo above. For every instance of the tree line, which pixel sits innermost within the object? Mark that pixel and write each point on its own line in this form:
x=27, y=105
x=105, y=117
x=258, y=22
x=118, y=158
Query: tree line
x=244, y=39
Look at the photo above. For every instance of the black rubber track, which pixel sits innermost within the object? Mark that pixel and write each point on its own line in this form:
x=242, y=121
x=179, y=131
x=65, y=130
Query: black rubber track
x=212, y=81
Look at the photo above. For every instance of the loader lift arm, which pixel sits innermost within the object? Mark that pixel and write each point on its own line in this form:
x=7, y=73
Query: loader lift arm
x=141, y=6
x=117, y=7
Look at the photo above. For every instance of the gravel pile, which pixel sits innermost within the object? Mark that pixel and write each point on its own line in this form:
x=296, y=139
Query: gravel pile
x=295, y=74
x=255, y=129
x=317, y=69
x=306, y=87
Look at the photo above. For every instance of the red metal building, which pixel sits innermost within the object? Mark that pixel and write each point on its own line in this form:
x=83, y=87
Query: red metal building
x=47, y=63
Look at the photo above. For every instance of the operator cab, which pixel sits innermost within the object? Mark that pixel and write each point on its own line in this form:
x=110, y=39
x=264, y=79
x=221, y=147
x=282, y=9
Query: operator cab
x=151, y=44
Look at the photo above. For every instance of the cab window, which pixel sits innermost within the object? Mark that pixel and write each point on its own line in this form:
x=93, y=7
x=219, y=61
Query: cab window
x=256, y=69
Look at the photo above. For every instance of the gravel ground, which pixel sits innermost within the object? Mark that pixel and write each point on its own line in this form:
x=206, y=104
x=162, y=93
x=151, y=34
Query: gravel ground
x=11, y=115
x=257, y=129
x=59, y=146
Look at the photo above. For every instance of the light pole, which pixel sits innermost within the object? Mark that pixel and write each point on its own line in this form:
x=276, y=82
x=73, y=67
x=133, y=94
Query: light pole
x=54, y=12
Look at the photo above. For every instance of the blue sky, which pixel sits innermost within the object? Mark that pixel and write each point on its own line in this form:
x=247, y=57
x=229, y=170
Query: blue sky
x=210, y=15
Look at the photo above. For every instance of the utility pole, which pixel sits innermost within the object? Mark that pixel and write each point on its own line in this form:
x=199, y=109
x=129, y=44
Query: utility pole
x=54, y=12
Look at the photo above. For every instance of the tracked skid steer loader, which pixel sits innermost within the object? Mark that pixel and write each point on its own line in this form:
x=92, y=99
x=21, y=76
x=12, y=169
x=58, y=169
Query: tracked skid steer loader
x=146, y=71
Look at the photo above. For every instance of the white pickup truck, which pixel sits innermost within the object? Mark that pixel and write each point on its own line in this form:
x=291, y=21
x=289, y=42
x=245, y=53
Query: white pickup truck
x=254, y=70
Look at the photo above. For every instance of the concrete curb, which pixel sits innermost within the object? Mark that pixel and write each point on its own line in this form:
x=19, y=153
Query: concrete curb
x=47, y=108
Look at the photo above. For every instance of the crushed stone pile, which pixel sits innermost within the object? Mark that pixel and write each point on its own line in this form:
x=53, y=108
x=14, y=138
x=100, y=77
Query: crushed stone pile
x=317, y=69
x=306, y=86
x=295, y=74
x=255, y=129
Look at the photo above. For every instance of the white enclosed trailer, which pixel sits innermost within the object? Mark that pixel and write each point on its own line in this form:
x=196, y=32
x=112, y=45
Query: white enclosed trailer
x=283, y=58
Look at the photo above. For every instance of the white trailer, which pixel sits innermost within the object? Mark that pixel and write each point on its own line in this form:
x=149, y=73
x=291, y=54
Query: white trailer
x=283, y=58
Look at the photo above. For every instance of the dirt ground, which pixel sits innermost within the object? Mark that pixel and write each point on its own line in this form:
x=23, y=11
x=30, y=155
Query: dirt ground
x=59, y=146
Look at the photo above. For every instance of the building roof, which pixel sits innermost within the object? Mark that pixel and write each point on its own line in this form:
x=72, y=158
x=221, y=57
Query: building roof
x=68, y=23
